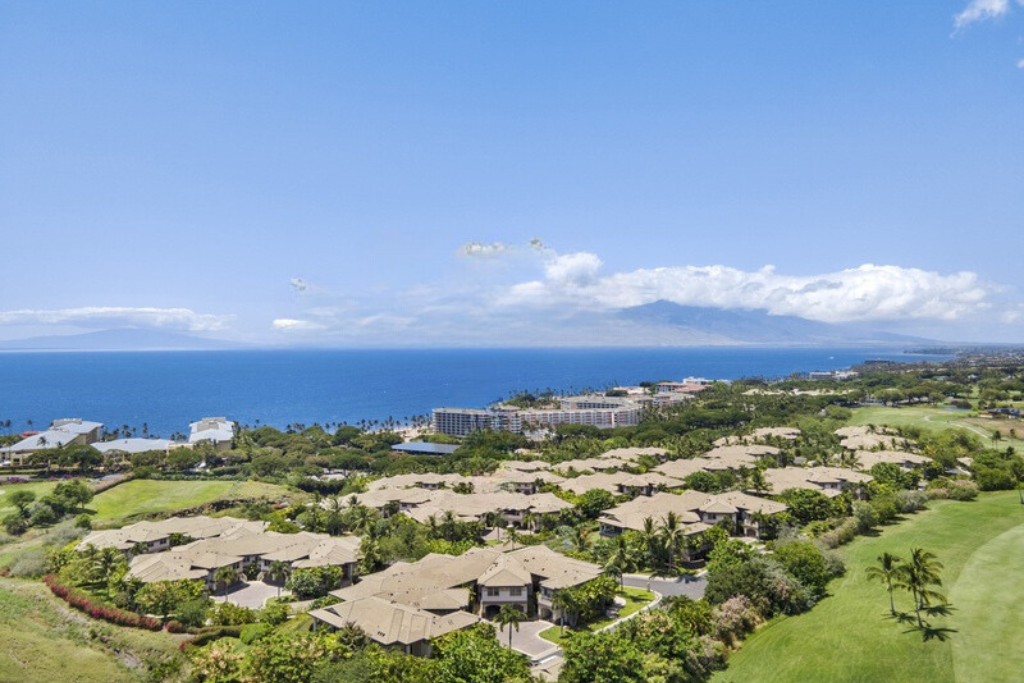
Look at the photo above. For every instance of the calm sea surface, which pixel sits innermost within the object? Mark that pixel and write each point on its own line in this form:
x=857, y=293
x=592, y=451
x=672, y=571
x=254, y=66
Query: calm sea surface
x=167, y=390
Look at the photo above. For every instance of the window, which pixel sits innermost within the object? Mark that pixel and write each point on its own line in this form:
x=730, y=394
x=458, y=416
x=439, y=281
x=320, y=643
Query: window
x=515, y=592
x=493, y=592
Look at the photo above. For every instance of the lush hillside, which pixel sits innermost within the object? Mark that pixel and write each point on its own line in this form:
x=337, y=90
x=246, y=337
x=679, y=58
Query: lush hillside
x=43, y=640
x=849, y=639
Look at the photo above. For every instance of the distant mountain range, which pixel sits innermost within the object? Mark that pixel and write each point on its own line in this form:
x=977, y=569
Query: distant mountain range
x=127, y=339
x=661, y=323
x=741, y=326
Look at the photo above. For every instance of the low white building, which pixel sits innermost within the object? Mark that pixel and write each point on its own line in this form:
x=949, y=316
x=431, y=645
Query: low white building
x=218, y=431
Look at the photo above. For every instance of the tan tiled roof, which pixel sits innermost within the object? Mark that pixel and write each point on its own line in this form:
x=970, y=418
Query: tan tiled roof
x=391, y=623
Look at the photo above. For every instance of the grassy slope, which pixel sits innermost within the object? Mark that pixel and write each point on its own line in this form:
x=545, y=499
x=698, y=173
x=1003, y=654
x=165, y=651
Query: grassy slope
x=146, y=496
x=43, y=642
x=848, y=637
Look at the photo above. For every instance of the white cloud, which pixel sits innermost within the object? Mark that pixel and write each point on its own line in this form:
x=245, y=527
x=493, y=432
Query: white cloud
x=573, y=270
x=868, y=292
x=294, y=324
x=1020, y=63
x=481, y=250
x=495, y=249
x=115, y=316
x=981, y=10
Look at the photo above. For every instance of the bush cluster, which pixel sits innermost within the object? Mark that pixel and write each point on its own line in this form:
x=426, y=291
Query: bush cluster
x=83, y=603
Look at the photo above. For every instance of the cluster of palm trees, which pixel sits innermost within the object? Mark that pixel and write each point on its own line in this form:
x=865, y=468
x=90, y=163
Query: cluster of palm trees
x=920, y=575
x=664, y=543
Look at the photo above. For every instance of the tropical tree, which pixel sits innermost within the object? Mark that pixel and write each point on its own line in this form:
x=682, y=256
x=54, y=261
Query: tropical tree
x=225, y=576
x=673, y=537
x=621, y=559
x=888, y=572
x=921, y=576
x=508, y=617
x=277, y=572
x=564, y=602
x=21, y=500
x=649, y=537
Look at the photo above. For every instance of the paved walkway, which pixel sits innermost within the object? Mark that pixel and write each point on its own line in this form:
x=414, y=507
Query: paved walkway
x=691, y=587
x=527, y=639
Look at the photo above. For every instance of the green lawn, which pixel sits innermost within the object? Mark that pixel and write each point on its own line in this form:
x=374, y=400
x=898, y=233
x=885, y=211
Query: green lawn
x=43, y=641
x=849, y=637
x=635, y=598
x=144, y=496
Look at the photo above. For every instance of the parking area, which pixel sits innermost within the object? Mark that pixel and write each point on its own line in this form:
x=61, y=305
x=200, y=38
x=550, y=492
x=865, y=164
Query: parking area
x=251, y=594
x=527, y=639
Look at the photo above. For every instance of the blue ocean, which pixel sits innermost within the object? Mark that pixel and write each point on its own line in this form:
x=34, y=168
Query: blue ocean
x=167, y=390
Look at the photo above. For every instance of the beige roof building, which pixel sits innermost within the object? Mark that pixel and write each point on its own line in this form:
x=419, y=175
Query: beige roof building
x=856, y=438
x=828, y=480
x=760, y=435
x=633, y=454
x=394, y=624
x=156, y=535
x=868, y=459
x=215, y=542
x=695, y=509
x=444, y=585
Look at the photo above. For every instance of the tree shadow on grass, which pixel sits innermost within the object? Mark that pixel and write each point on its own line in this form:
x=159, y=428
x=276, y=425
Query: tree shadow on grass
x=927, y=631
x=935, y=633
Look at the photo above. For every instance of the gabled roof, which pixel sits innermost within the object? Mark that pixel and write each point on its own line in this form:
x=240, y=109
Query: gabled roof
x=391, y=623
x=506, y=571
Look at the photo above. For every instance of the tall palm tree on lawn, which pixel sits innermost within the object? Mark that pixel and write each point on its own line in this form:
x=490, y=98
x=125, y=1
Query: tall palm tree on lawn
x=888, y=572
x=921, y=576
x=508, y=617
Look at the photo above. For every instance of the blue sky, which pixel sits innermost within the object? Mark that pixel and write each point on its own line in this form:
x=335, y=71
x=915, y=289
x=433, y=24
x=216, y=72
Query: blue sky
x=295, y=173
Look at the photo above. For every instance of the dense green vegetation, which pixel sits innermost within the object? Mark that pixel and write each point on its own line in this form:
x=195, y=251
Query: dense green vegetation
x=979, y=544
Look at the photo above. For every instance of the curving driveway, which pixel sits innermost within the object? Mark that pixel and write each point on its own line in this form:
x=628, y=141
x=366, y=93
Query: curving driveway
x=691, y=587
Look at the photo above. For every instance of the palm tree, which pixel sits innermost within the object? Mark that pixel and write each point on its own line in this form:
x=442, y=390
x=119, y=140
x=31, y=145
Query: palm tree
x=649, y=535
x=564, y=602
x=673, y=536
x=277, y=572
x=448, y=524
x=921, y=577
x=620, y=561
x=581, y=539
x=225, y=576
x=507, y=617
x=888, y=572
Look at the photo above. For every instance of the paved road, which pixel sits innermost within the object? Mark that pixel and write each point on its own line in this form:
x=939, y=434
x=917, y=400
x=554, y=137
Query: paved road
x=689, y=586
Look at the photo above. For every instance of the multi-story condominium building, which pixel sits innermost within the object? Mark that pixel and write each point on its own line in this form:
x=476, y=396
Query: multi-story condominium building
x=463, y=421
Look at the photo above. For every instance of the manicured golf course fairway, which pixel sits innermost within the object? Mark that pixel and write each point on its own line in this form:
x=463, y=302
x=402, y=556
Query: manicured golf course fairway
x=848, y=637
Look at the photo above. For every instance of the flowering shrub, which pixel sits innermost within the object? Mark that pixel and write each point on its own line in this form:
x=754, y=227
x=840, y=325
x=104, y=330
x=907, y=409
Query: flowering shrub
x=735, y=618
x=84, y=603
